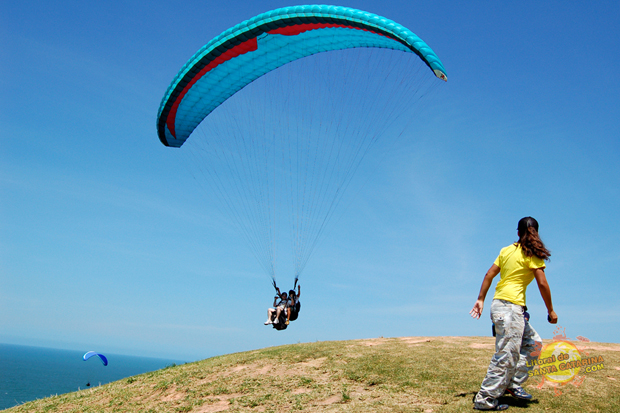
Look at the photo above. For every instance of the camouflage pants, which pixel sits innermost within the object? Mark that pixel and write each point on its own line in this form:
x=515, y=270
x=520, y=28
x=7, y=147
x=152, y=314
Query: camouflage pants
x=514, y=342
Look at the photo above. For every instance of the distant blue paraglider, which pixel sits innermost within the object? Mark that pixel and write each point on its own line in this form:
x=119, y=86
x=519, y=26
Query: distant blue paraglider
x=88, y=355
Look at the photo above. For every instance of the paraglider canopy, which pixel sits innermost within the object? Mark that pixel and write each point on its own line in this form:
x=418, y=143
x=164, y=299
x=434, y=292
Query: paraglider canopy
x=90, y=354
x=257, y=46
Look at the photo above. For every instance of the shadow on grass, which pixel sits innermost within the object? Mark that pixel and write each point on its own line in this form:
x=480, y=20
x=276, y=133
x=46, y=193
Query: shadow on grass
x=514, y=402
x=473, y=394
x=509, y=400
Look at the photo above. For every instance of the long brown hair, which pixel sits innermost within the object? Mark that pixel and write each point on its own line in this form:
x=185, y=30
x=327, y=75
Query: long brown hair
x=529, y=239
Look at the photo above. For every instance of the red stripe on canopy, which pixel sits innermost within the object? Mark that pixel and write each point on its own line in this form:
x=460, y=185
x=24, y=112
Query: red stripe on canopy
x=300, y=28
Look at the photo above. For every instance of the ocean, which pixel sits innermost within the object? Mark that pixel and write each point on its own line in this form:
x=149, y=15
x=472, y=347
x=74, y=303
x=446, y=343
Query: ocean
x=30, y=373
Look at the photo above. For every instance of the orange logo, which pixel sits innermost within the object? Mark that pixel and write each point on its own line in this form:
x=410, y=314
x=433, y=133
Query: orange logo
x=560, y=362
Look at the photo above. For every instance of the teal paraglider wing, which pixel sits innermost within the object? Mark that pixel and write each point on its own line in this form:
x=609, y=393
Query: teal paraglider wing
x=90, y=354
x=261, y=44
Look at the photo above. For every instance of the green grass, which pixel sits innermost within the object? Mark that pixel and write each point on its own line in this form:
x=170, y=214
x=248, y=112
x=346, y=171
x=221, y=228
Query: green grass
x=435, y=374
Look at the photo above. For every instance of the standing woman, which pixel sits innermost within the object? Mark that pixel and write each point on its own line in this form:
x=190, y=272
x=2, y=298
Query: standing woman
x=515, y=339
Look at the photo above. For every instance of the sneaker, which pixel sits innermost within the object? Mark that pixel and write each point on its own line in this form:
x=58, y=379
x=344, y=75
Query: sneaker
x=487, y=404
x=267, y=322
x=519, y=393
x=275, y=321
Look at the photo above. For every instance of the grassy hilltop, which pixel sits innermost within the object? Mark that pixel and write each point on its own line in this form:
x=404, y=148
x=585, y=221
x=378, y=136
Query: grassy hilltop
x=409, y=374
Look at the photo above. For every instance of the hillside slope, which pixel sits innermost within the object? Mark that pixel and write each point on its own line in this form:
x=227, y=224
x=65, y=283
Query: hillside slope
x=409, y=374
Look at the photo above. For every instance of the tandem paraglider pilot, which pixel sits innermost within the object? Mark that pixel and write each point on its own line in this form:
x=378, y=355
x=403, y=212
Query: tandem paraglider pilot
x=293, y=305
x=515, y=341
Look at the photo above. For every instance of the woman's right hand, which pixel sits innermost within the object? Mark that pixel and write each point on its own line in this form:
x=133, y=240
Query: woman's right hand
x=476, y=312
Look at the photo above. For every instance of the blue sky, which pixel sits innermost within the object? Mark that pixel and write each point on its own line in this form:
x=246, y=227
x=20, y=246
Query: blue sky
x=107, y=244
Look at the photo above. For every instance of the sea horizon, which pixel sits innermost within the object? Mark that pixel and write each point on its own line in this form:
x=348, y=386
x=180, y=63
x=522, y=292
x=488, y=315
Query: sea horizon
x=30, y=372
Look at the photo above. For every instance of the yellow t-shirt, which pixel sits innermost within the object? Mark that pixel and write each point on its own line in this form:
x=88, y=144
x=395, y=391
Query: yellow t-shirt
x=516, y=272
